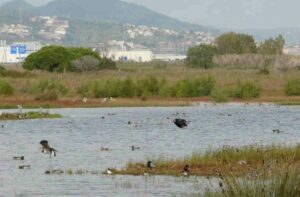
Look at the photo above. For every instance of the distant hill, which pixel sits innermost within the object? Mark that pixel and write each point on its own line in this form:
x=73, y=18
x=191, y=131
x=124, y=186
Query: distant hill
x=15, y=11
x=114, y=11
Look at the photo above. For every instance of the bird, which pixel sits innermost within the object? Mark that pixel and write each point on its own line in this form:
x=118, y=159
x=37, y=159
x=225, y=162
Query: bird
x=47, y=149
x=278, y=131
x=109, y=171
x=19, y=158
x=186, y=170
x=133, y=148
x=181, y=123
x=24, y=167
x=104, y=149
x=150, y=165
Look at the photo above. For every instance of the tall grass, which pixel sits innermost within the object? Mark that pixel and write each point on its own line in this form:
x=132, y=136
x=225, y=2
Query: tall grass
x=292, y=87
x=286, y=184
x=6, y=89
x=48, y=90
x=149, y=86
x=246, y=90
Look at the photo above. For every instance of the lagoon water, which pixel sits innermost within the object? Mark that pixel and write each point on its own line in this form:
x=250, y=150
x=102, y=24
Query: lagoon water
x=79, y=136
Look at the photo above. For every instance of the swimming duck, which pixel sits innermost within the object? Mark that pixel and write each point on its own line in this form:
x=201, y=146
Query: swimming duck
x=19, y=158
x=109, y=171
x=133, y=148
x=24, y=167
x=181, y=123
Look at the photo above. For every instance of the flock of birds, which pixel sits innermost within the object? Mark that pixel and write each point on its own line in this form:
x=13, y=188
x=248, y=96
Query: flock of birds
x=46, y=149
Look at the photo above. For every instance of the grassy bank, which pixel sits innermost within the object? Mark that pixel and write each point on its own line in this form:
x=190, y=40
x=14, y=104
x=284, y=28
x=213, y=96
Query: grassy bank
x=148, y=86
x=28, y=116
x=228, y=161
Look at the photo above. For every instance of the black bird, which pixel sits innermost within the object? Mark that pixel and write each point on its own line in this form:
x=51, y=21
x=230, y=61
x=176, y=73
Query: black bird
x=24, y=167
x=186, y=170
x=19, y=158
x=181, y=123
x=133, y=148
x=150, y=165
x=47, y=149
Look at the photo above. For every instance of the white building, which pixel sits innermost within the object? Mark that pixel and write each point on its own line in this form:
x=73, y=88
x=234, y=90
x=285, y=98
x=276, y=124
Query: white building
x=169, y=57
x=18, y=52
x=136, y=55
x=292, y=50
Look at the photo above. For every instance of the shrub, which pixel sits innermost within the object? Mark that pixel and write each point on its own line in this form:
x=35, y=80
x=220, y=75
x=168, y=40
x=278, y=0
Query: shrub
x=201, y=56
x=219, y=95
x=48, y=90
x=194, y=88
x=6, y=89
x=246, y=90
x=292, y=87
x=85, y=63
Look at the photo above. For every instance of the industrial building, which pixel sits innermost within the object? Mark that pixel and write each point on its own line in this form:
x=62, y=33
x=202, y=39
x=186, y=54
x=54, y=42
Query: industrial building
x=17, y=52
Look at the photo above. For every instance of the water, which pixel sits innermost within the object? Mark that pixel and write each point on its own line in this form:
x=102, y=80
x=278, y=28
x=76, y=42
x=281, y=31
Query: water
x=79, y=136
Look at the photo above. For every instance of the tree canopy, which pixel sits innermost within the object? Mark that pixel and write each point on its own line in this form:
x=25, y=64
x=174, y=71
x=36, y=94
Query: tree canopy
x=61, y=59
x=235, y=43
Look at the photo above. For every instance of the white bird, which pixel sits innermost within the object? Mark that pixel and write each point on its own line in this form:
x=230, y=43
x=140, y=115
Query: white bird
x=109, y=171
x=85, y=100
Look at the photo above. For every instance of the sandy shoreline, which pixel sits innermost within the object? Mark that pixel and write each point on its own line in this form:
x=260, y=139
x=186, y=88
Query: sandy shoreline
x=11, y=103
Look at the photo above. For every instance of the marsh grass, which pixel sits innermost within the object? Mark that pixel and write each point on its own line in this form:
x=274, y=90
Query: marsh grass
x=229, y=160
x=246, y=90
x=28, y=116
x=292, y=87
x=6, y=89
x=283, y=184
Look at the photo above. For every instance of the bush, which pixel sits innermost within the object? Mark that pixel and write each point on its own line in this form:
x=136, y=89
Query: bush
x=48, y=90
x=219, y=95
x=292, y=87
x=85, y=63
x=272, y=46
x=194, y=88
x=201, y=56
x=246, y=90
x=6, y=89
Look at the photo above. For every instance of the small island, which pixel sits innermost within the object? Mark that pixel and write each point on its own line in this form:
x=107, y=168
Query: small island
x=28, y=116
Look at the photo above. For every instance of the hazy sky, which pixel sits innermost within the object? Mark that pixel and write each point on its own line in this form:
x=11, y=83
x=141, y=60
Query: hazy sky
x=226, y=13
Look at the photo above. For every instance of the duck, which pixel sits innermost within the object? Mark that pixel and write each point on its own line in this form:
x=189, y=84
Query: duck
x=277, y=131
x=186, y=170
x=150, y=165
x=181, y=123
x=22, y=167
x=47, y=149
x=133, y=148
x=105, y=149
x=19, y=158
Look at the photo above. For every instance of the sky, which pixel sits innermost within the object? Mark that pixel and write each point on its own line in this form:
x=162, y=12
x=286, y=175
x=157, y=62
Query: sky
x=237, y=14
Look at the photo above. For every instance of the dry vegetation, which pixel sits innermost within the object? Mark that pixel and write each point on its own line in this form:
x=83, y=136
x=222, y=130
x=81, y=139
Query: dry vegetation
x=63, y=88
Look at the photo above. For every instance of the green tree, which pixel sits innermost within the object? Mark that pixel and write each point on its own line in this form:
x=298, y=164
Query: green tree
x=234, y=43
x=60, y=59
x=201, y=56
x=272, y=46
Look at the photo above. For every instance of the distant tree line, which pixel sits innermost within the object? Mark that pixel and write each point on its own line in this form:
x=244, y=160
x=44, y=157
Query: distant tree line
x=63, y=59
x=232, y=43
